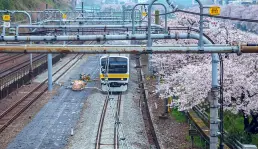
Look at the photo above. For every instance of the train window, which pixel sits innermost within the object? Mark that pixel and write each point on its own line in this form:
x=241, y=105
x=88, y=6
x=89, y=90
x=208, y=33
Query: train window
x=116, y=64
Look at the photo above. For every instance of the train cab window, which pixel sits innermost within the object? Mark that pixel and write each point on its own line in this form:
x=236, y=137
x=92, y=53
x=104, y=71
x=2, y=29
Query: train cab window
x=116, y=64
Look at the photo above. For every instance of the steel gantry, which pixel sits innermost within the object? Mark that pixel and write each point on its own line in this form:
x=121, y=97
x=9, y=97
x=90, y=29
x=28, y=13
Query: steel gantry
x=120, y=19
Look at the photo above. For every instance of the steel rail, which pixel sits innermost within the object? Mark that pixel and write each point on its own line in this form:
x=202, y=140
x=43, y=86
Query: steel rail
x=117, y=122
x=9, y=58
x=8, y=71
x=3, y=55
x=101, y=122
x=35, y=98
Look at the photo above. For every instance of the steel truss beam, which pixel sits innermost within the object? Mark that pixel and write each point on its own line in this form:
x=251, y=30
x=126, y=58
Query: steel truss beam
x=133, y=49
x=100, y=37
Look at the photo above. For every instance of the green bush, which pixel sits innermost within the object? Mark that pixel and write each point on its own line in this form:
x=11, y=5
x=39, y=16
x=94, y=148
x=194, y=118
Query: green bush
x=28, y=4
x=179, y=116
x=234, y=125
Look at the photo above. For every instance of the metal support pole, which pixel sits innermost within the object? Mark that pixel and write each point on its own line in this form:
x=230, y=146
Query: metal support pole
x=17, y=33
x=157, y=17
x=214, y=105
x=221, y=141
x=49, y=64
x=149, y=42
x=200, y=42
x=82, y=17
x=143, y=4
x=31, y=56
x=3, y=32
x=82, y=9
x=123, y=17
x=64, y=33
x=31, y=70
x=49, y=67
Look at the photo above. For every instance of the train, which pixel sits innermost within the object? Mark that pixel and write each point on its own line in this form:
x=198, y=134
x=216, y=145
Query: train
x=114, y=72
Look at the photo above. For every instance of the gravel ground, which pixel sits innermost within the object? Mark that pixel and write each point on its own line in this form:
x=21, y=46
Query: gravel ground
x=10, y=132
x=85, y=131
x=52, y=126
x=132, y=128
x=170, y=133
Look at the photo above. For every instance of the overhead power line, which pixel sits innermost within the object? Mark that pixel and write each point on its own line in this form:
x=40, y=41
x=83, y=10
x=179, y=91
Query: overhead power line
x=221, y=17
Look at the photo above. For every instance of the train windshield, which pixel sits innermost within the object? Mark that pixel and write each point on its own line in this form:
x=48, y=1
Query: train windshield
x=116, y=65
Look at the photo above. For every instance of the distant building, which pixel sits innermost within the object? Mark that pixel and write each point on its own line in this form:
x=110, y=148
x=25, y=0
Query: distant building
x=244, y=2
x=142, y=1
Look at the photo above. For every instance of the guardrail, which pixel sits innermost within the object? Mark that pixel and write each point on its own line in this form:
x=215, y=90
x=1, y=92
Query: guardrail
x=230, y=142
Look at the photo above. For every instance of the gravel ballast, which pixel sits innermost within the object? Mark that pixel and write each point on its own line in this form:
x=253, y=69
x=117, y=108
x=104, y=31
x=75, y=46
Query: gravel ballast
x=51, y=127
x=170, y=133
x=132, y=127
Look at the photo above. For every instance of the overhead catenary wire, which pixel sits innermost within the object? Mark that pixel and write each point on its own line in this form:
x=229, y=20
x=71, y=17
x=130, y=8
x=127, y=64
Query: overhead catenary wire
x=208, y=15
x=212, y=16
x=221, y=17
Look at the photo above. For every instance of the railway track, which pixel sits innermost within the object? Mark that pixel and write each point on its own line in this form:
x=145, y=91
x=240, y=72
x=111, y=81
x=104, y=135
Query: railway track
x=10, y=114
x=6, y=72
x=10, y=58
x=116, y=131
x=3, y=55
x=104, y=120
x=7, y=56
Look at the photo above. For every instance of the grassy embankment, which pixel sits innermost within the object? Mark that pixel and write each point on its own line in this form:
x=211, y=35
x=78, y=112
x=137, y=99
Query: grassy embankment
x=233, y=124
x=181, y=118
x=31, y=4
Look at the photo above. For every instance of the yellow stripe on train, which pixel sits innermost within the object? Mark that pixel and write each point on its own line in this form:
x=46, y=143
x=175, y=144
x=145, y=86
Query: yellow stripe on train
x=115, y=76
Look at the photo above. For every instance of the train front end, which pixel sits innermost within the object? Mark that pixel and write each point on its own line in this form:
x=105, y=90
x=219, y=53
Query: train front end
x=114, y=73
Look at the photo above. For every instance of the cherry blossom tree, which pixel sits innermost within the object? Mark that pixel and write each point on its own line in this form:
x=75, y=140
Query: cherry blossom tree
x=109, y=7
x=189, y=75
x=244, y=12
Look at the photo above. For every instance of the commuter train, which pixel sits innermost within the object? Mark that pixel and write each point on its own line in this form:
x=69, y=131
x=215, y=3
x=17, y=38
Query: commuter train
x=114, y=72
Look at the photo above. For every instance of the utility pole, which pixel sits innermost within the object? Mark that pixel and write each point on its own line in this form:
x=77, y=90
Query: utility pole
x=49, y=67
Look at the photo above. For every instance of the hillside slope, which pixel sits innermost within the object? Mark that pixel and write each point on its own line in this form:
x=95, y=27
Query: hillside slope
x=35, y=4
